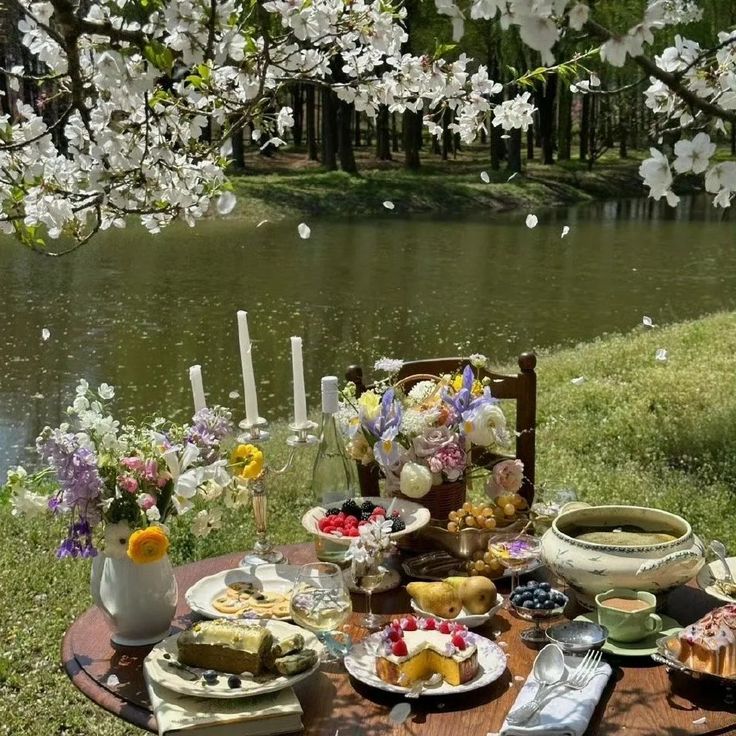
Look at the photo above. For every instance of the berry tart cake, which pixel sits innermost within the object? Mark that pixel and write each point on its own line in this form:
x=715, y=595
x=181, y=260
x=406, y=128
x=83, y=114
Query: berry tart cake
x=417, y=648
x=709, y=645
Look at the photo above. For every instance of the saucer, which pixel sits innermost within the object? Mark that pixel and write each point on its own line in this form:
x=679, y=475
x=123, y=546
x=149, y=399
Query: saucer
x=642, y=648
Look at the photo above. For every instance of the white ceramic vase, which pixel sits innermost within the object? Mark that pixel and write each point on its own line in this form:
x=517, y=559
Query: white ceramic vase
x=138, y=600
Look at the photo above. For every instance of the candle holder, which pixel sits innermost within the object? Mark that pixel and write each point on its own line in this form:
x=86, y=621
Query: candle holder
x=263, y=551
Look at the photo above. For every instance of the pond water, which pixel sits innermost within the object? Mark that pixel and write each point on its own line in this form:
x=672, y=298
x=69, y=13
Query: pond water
x=136, y=310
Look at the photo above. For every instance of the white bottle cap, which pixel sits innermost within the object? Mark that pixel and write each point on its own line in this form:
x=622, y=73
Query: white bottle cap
x=330, y=403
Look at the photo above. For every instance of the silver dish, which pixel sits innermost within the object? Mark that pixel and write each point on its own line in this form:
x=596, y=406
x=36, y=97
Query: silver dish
x=577, y=636
x=666, y=655
x=440, y=565
x=463, y=544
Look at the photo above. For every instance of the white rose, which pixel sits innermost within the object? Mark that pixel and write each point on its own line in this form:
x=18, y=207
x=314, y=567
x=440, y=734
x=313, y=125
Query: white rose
x=486, y=426
x=116, y=539
x=415, y=480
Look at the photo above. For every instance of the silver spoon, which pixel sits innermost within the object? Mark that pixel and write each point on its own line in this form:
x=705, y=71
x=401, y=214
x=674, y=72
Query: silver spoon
x=548, y=670
x=720, y=552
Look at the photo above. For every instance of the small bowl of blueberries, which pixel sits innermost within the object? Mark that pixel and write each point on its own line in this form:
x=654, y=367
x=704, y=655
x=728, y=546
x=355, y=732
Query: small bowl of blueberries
x=537, y=602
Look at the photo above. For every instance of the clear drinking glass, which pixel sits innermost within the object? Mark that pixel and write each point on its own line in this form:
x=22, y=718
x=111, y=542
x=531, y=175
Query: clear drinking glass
x=516, y=552
x=320, y=600
x=367, y=575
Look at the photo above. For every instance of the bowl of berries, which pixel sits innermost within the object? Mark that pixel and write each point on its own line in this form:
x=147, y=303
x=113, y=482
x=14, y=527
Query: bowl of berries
x=341, y=522
x=537, y=602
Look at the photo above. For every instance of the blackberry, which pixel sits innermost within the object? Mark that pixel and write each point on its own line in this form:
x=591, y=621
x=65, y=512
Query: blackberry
x=365, y=516
x=397, y=526
x=332, y=512
x=350, y=508
x=368, y=507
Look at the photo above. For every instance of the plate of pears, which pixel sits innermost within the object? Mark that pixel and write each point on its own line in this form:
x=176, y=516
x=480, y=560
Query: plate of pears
x=470, y=601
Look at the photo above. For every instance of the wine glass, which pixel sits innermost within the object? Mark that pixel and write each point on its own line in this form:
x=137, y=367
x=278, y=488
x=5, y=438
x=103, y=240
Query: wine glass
x=367, y=574
x=516, y=552
x=320, y=602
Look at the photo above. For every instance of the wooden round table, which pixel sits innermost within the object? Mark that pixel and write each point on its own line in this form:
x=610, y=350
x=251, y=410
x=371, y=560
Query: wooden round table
x=642, y=699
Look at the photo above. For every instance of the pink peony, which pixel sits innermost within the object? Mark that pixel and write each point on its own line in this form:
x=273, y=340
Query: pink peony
x=132, y=463
x=128, y=483
x=150, y=471
x=450, y=460
x=146, y=501
x=507, y=477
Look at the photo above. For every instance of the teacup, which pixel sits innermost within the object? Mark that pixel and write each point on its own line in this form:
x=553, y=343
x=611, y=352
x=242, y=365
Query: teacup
x=628, y=614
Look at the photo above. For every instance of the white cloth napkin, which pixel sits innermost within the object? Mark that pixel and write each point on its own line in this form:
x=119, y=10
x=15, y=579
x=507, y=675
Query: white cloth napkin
x=567, y=712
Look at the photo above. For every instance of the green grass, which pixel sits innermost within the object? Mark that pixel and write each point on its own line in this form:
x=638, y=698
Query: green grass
x=636, y=431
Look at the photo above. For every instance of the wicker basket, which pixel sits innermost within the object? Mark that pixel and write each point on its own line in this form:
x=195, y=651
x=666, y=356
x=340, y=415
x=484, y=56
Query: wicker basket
x=442, y=499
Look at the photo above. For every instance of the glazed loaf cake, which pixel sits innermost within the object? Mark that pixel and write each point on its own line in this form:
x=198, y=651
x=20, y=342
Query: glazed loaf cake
x=709, y=645
x=226, y=646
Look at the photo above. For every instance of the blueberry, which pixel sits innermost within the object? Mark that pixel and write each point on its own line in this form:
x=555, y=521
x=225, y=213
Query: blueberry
x=532, y=584
x=549, y=605
x=527, y=595
x=545, y=586
x=536, y=605
x=210, y=677
x=233, y=682
x=541, y=595
x=527, y=603
x=516, y=599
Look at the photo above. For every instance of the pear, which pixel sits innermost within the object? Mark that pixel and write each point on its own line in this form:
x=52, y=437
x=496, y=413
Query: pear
x=478, y=594
x=457, y=583
x=439, y=599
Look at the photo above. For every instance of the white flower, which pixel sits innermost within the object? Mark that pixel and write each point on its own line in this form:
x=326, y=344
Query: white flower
x=415, y=480
x=578, y=16
x=721, y=177
x=26, y=502
x=477, y=360
x=486, y=425
x=116, y=539
x=304, y=231
x=421, y=391
x=615, y=50
x=284, y=120
x=153, y=514
x=82, y=387
x=694, y=155
x=388, y=365
x=516, y=113
x=656, y=174
x=186, y=479
x=206, y=521
x=106, y=391
x=531, y=221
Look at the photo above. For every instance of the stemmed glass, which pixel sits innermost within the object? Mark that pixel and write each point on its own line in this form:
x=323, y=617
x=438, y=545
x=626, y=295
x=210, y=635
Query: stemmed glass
x=517, y=553
x=320, y=602
x=367, y=574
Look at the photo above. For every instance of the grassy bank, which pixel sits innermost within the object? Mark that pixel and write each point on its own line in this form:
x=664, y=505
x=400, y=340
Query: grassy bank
x=635, y=431
x=287, y=185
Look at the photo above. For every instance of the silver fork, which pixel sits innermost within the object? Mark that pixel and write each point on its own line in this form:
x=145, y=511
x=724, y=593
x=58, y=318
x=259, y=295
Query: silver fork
x=578, y=679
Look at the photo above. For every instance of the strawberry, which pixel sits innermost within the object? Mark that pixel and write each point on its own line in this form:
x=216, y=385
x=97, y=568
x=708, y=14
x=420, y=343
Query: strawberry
x=398, y=648
x=430, y=624
x=444, y=627
x=458, y=642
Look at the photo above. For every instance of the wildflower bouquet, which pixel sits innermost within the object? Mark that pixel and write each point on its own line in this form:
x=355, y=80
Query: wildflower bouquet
x=119, y=484
x=423, y=437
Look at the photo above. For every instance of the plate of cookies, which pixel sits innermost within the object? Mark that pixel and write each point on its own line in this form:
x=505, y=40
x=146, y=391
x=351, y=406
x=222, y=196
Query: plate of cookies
x=257, y=592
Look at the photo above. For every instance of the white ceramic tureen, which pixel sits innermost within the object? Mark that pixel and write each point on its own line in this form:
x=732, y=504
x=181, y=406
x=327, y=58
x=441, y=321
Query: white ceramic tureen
x=590, y=567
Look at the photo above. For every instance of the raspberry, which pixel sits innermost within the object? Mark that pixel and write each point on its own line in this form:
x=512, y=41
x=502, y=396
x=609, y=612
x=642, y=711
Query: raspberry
x=410, y=624
x=352, y=532
x=444, y=627
x=398, y=648
x=379, y=511
x=458, y=642
x=430, y=624
x=395, y=634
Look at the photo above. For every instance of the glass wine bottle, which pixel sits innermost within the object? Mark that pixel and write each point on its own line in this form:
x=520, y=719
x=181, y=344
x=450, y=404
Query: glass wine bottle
x=333, y=475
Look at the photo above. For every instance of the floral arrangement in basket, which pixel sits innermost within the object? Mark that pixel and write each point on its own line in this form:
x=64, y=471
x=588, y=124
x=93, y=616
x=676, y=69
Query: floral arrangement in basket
x=118, y=485
x=421, y=430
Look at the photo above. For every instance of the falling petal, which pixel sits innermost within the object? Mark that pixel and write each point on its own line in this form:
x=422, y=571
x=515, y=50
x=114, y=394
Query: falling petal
x=505, y=136
x=579, y=381
x=226, y=149
x=262, y=222
x=518, y=678
x=37, y=396
x=565, y=231
x=226, y=203
x=399, y=713
x=699, y=721
x=531, y=221
x=112, y=681
x=513, y=176
x=45, y=334
x=661, y=355
x=484, y=177
x=388, y=204
x=304, y=231
x=647, y=321
x=233, y=395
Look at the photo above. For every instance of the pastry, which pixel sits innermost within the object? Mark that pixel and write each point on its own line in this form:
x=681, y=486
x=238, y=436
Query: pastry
x=709, y=645
x=225, y=646
x=417, y=648
x=242, y=598
x=293, y=664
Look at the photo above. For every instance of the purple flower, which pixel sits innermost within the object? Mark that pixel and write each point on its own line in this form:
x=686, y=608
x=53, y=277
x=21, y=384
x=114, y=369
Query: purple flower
x=78, y=542
x=210, y=428
x=386, y=424
x=460, y=401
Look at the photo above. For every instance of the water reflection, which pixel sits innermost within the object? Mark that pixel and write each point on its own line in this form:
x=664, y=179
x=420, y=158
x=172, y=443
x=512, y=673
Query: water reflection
x=136, y=310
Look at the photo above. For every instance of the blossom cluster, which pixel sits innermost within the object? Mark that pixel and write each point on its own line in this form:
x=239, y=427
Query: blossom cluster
x=424, y=437
x=105, y=476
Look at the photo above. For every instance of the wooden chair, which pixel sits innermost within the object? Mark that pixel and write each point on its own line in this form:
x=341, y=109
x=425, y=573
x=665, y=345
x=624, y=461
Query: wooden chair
x=521, y=387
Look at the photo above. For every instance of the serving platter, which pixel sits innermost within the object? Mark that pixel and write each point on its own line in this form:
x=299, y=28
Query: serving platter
x=665, y=655
x=360, y=662
x=413, y=515
x=162, y=667
x=713, y=571
x=471, y=620
x=439, y=565
x=265, y=578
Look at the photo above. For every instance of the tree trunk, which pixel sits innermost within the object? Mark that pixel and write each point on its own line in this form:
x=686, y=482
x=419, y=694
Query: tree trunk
x=345, y=115
x=585, y=128
x=546, y=97
x=329, y=129
x=530, y=143
x=394, y=134
x=236, y=136
x=564, y=122
x=357, y=129
x=383, y=134
x=733, y=139
x=592, y=125
x=297, y=130
x=498, y=147
x=446, y=135
x=513, y=162
x=411, y=134
x=312, y=152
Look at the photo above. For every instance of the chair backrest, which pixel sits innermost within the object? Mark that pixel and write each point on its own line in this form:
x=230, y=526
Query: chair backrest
x=521, y=387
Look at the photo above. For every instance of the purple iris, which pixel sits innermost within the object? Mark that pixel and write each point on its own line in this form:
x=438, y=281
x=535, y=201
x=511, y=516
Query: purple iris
x=460, y=401
x=386, y=425
x=78, y=542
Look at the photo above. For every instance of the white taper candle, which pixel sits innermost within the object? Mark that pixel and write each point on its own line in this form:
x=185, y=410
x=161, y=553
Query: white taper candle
x=246, y=361
x=195, y=378
x=300, y=397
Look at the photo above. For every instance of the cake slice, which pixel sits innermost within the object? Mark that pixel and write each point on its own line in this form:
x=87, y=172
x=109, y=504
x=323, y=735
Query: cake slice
x=709, y=645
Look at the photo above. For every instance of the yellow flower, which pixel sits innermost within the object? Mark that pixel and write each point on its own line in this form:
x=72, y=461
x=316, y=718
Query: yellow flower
x=369, y=404
x=457, y=384
x=148, y=545
x=251, y=460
